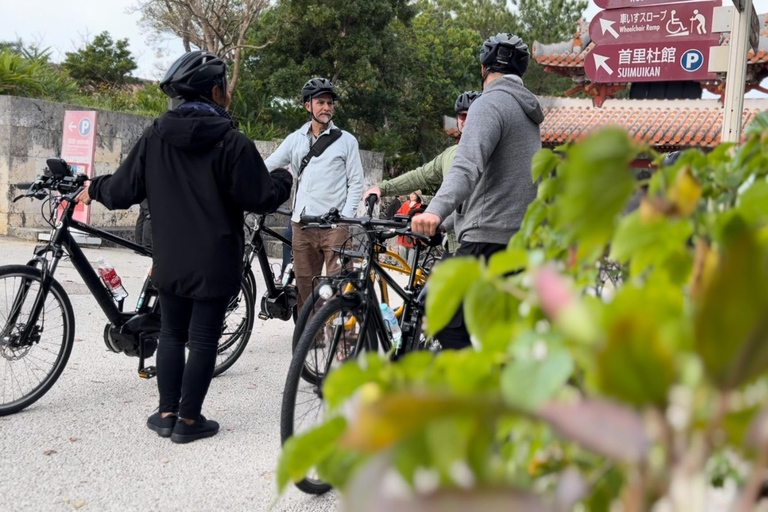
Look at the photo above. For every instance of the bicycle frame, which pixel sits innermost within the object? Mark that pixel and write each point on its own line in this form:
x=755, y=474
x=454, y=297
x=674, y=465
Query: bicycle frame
x=257, y=242
x=61, y=240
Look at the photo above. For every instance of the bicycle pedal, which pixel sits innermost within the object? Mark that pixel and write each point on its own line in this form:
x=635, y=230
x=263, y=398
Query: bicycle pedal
x=263, y=316
x=148, y=372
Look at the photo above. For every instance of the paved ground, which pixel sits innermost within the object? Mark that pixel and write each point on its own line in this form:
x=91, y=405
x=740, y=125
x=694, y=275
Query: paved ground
x=85, y=445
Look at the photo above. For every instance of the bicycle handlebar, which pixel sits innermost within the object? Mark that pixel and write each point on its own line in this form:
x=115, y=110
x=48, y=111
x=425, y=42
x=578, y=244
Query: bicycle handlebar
x=400, y=227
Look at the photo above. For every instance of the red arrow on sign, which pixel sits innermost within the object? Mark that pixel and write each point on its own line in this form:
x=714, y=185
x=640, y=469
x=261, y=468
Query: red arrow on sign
x=654, y=62
x=681, y=22
x=620, y=4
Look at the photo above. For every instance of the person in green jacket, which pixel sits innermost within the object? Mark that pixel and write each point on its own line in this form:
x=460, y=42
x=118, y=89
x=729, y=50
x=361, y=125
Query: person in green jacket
x=429, y=176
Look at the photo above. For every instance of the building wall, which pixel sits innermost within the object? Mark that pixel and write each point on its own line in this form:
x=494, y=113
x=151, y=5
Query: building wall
x=31, y=132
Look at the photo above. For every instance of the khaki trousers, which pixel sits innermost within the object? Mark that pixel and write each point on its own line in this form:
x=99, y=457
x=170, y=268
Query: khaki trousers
x=311, y=249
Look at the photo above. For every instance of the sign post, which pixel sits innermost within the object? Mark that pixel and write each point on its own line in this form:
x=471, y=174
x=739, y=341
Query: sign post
x=78, y=147
x=733, y=106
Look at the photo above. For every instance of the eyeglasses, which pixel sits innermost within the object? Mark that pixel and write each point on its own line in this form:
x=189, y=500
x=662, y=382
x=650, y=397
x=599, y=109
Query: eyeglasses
x=462, y=116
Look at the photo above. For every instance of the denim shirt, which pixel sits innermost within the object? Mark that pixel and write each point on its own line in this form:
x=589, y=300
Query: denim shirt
x=331, y=180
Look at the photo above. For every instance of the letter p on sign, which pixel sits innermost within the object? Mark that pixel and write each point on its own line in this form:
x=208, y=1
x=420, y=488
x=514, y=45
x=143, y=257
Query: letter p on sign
x=692, y=60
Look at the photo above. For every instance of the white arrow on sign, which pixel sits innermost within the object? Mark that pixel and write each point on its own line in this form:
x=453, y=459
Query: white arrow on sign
x=601, y=62
x=607, y=26
x=72, y=126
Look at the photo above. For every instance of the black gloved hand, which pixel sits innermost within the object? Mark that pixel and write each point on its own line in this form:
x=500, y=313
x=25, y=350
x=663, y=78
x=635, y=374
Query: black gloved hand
x=283, y=176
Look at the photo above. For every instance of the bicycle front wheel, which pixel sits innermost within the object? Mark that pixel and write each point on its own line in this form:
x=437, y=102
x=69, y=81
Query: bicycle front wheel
x=30, y=367
x=328, y=334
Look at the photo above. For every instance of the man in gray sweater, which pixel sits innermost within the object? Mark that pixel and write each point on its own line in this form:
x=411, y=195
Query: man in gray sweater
x=489, y=184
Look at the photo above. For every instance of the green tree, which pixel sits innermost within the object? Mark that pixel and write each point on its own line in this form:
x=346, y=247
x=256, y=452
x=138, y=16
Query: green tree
x=548, y=21
x=101, y=63
x=27, y=71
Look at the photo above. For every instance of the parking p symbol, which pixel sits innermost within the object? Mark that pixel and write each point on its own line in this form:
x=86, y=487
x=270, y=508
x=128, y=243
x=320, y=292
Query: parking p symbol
x=692, y=60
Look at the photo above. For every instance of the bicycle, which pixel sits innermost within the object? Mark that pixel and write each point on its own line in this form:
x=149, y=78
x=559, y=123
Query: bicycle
x=351, y=321
x=280, y=299
x=35, y=305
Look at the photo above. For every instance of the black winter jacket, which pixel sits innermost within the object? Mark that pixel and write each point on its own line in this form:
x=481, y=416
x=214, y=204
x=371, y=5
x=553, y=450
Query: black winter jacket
x=200, y=174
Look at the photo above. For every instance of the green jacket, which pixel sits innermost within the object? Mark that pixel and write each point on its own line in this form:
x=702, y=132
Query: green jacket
x=426, y=178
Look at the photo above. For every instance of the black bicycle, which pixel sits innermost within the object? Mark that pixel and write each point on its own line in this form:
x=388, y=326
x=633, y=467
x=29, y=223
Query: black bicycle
x=351, y=323
x=279, y=301
x=37, y=323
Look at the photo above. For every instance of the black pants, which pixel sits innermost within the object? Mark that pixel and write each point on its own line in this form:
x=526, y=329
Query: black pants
x=144, y=226
x=183, y=386
x=455, y=335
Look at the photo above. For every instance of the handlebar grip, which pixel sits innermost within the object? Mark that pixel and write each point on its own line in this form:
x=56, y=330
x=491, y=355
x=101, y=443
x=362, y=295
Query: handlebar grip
x=370, y=202
x=24, y=185
x=311, y=219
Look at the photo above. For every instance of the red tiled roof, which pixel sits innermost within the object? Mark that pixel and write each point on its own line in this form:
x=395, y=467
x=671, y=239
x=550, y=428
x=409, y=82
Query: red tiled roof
x=571, y=54
x=662, y=123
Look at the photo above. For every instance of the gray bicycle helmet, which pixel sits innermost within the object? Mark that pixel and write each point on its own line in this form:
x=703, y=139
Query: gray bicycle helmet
x=505, y=53
x=464, y=100
x=194, y=74
x=316, y=87
x=670, y=158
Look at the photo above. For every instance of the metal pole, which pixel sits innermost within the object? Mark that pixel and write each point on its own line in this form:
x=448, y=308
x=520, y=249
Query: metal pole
x=737, y=74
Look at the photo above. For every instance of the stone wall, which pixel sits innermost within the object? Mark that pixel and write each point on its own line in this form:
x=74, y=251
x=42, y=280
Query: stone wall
x=31, y=132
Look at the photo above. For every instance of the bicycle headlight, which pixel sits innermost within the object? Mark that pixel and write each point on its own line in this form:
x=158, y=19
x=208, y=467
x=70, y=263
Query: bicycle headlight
x=325, y=291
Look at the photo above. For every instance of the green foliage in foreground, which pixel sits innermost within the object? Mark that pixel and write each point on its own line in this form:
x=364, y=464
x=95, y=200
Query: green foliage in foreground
x=625, y=368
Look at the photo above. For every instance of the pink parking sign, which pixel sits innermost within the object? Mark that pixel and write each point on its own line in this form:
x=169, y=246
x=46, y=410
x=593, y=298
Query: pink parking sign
x=78, y=144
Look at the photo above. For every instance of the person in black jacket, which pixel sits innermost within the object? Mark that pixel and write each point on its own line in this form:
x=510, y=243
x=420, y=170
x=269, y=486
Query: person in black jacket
x=199, y=175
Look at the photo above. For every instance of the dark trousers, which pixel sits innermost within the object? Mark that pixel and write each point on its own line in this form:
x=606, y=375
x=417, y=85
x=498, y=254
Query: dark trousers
x=143, y=232
x=196, y=324
x=455, y=335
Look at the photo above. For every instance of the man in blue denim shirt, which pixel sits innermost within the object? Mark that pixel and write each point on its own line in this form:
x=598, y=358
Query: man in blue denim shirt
x=333, y=179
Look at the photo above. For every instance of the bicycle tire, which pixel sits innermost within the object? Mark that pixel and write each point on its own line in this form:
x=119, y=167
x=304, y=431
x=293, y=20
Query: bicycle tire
x=294, y=378
x=68, y=337
x=240, y=338
x=310, y=374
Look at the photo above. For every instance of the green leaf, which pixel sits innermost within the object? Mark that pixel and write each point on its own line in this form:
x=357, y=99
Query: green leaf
x=753, y=203
x=528, y=383
x=731, y=324
x=544, y=162
x=342, y=382
x=643, y=326
x=758, y=125
x=339, y=466
x=302, y=452
x=507, y=261
x=448, y=283
x=647, y=243
x=486, y=305
x=597, y=183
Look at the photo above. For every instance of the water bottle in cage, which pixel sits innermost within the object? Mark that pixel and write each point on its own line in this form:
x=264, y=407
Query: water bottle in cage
x=111, y=280
x=394, y=328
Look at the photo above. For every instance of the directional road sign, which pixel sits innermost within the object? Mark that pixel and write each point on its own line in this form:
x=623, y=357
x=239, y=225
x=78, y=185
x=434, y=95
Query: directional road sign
x=621, y=4
x=673, y=22
x=649, y=62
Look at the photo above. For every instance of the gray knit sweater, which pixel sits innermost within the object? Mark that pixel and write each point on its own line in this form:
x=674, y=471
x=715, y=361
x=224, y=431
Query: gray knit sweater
x=489, y=184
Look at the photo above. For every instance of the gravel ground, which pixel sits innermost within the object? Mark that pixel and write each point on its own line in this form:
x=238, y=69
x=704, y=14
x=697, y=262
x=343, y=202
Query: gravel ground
x=84, y=445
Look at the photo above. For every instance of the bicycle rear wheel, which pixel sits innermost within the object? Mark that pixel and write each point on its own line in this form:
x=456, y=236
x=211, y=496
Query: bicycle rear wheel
x=28, y=371
x=302, y=406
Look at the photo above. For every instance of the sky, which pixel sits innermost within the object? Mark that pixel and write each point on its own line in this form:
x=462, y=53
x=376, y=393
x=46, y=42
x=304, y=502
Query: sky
x=64, y=25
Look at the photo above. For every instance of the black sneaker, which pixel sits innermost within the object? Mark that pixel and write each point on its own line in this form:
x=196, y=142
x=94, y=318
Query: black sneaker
x=163, y=426
x=200, y=429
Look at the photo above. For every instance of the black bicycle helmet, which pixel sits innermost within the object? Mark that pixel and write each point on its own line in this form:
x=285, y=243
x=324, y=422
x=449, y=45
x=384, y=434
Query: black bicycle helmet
x=194, y=74
x=464, y=100
x=505, y=53
x=316, y=87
